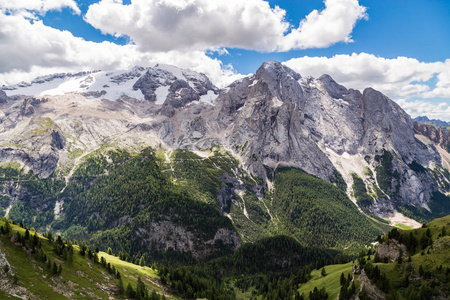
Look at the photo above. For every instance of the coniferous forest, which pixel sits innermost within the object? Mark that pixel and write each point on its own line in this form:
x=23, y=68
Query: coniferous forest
x=304, y=239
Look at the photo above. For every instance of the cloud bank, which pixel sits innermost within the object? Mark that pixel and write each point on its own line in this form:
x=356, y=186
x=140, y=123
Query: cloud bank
x=417, y=108
x=30, y=49
x=179, y=32
x=37, y=6
x=163, y=25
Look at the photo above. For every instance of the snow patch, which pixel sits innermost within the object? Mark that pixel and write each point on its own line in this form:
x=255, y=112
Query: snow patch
x=177, y=72
x=342, y=101
x=253, y=83
x=209, y=98
x=277, y=102
x=114, y=84
x=73, y=85
x=35, y=89
x=161, y=94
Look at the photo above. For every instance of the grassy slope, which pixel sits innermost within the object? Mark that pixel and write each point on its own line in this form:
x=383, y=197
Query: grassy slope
x=81, y=279
x=437, y=256
x=331, y=282
x=130, y=273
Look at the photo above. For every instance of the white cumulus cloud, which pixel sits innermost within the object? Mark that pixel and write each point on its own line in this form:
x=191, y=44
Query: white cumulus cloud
x=162, y=25
x=323, y=28
x=39, y=6
x=178, y=32
x=417, y=108
x=398, y=77
x=29, y=48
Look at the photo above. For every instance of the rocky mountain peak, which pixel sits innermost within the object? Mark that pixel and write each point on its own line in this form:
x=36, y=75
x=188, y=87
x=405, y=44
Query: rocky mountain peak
x=334, y=89
x=3, y=97
x=281, y=81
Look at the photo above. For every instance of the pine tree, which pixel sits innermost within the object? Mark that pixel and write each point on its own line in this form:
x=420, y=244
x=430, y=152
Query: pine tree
x=141, y=290
x=154, y=296
x=120, y=285
x=35, y=239
x=142, y=261
x=130, y=291
x=421, y=271
x=55, y=268
x=376, y=258
x=59, y=269
x=109, y=251
x=323, y=272
x=27, y=234
x=7, y=227
x=83, y=248
x=298, y=296
x=18, y=237
x=400, y=256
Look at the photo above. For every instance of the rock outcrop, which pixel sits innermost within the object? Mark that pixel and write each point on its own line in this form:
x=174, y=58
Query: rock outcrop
x=3, y=97
x=438, y=135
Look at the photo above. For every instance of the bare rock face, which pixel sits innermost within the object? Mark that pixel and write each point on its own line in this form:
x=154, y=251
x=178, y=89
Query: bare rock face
x=165, y=235
x=151, y=80
x=372, y=291
x=437, y=135
x=184, y=86
x=392, y=250
x=37, y=144
x=267, y=130
x=3, y=97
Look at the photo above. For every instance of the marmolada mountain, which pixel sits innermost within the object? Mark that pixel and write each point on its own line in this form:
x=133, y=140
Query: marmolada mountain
x=267, y=189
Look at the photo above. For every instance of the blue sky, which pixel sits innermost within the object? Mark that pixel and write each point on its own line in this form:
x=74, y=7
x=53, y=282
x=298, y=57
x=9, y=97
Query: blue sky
x=399, y=47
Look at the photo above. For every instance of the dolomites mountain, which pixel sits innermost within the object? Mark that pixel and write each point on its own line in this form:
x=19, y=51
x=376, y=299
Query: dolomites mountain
x=272, y=118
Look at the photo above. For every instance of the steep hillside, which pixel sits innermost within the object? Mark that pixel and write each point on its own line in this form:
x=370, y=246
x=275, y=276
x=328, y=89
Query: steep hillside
x=440, y=136
x=37, y=267
x=124, y=201
x=408, y=264
x=185, y=208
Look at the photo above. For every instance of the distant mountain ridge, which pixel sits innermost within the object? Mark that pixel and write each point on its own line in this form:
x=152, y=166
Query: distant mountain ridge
x=426, y=120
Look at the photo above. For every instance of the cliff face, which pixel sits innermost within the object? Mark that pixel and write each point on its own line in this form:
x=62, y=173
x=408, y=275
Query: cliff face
x=438, y=135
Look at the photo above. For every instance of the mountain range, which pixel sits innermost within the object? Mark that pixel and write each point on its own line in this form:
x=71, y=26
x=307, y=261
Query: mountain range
x=426, y=120
x=159, y=163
